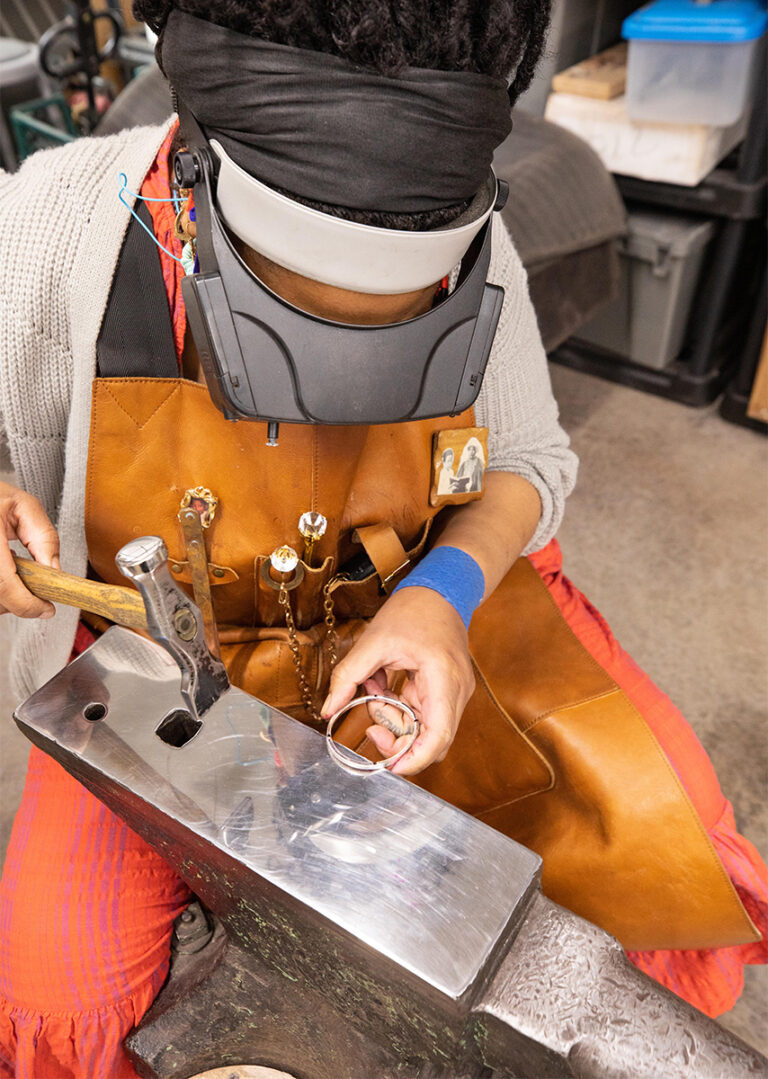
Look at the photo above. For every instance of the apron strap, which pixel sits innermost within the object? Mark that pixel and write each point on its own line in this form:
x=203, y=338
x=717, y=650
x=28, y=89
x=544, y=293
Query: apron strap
x=383, y=546
x=136, y=336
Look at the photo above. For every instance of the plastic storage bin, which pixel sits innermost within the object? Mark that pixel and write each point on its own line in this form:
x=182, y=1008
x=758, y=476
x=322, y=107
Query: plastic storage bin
x=661, y=258
x=690, y=62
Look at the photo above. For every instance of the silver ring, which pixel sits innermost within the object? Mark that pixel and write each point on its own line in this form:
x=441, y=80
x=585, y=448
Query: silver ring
x=352, y=761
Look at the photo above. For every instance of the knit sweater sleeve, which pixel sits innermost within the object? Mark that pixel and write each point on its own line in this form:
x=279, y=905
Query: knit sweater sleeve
x=62, y=228
x=55, y=270
x=35, y=355
x=516, y=402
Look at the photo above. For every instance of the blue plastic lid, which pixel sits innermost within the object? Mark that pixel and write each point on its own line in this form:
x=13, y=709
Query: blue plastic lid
x=694, y=20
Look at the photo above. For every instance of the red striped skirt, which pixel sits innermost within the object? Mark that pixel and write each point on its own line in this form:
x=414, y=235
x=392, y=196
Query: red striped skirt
x=87, y=907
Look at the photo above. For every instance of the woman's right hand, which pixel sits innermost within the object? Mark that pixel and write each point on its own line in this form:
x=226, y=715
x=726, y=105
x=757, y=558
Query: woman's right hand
x=23, y=518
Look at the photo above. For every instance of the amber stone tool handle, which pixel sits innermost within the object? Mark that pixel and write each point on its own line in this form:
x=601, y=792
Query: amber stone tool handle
x=121, y=605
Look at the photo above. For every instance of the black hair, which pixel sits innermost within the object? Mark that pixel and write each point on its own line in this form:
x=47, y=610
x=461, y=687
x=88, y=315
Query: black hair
x=489, y=37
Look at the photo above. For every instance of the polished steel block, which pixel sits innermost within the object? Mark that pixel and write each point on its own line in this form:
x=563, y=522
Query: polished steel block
x=363, y=928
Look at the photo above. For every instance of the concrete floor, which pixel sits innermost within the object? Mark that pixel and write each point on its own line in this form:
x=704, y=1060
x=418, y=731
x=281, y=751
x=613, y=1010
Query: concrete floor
x=666, y=533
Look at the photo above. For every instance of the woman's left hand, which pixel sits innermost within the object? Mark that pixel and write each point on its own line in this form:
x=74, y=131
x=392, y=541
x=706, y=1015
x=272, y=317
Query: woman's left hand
x=419, y=632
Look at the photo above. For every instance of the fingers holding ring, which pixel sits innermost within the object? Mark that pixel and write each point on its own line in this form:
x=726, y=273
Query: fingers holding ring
x=409, y=727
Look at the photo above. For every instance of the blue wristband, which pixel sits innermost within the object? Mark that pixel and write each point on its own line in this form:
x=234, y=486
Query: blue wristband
x=454, y=575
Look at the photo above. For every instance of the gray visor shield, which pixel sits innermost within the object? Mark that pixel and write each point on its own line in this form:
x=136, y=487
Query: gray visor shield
x=265, y=359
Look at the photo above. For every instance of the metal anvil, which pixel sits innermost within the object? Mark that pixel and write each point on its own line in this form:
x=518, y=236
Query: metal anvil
x=363, y=927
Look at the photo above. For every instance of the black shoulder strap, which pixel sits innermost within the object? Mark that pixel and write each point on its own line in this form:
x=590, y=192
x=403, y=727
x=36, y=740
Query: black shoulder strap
x=136, y=337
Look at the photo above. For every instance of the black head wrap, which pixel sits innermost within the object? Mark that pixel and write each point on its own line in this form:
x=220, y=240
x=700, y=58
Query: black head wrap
x=328, y=131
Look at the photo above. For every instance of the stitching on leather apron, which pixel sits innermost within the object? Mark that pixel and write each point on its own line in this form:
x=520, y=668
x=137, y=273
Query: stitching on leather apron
x=141, y=424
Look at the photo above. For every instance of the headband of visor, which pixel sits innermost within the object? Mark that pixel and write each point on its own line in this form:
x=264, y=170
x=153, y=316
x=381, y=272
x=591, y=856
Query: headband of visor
x=264, y=358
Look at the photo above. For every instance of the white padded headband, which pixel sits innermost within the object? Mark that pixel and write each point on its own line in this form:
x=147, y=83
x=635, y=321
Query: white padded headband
x=336, y=252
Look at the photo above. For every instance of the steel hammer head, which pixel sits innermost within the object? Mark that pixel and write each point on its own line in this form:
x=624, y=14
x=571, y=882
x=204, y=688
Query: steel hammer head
x=175, y=622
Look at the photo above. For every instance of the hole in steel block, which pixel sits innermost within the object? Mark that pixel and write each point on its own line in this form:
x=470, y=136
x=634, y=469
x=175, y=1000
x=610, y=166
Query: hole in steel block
x=94, y=711
x=178, y=728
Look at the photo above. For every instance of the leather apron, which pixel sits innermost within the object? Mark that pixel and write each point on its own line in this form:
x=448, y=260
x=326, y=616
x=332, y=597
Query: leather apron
x=549, y=751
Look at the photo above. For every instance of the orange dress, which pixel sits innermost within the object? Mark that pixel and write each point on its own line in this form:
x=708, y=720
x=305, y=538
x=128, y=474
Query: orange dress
x=87, y=907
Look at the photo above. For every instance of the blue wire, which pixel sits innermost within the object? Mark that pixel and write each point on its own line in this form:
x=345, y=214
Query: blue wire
x=125, y=190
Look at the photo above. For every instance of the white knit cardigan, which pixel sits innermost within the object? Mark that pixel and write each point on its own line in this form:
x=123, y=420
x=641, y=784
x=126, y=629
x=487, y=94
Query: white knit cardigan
x=61, y=229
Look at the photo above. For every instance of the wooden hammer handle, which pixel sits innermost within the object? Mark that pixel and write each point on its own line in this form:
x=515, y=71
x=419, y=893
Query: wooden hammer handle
x=122, y=605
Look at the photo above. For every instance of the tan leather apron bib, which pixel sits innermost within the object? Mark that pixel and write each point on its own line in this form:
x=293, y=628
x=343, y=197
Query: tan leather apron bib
x=549, y=750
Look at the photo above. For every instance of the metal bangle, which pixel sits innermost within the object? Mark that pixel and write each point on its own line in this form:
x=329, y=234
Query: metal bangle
x=352, y=761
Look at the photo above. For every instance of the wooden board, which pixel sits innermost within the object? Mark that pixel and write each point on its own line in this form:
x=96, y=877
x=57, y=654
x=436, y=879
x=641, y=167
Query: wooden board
x=758, y=400
x=602, y=76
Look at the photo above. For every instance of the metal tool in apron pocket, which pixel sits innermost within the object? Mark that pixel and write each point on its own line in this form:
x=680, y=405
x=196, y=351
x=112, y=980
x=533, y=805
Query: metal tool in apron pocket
x=312, y=528
x=196, y=513
x=284, y=571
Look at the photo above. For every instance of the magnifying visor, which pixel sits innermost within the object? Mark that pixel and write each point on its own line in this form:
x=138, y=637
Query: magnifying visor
x=265, y=359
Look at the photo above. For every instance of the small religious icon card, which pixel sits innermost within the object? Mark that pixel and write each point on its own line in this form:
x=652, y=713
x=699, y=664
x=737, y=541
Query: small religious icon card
x=459, y=458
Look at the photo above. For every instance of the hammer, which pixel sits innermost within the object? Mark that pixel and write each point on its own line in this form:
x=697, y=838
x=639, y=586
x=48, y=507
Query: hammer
x=160, y=608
